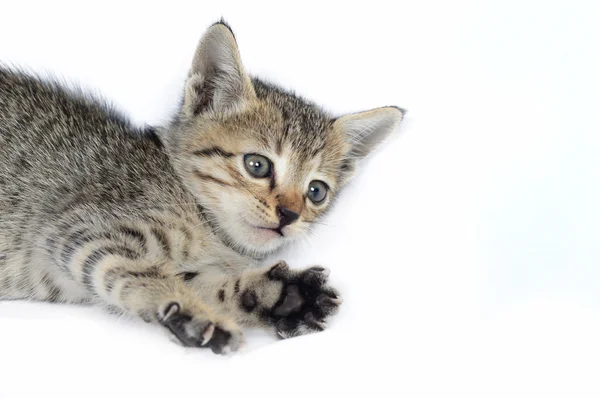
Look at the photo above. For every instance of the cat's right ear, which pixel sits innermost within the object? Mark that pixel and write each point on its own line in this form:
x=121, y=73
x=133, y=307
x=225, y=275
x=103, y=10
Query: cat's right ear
x=217, y=80
x=363, y=132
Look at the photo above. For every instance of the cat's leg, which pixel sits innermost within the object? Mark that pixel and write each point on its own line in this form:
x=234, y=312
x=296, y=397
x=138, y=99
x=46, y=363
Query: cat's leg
x=165, y=300
x=291, y=302
x=120, y=272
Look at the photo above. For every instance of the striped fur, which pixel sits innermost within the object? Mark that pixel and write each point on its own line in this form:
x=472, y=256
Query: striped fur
x=165, y=223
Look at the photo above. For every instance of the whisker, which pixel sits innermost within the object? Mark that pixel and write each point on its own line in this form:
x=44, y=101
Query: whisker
x=319, y=223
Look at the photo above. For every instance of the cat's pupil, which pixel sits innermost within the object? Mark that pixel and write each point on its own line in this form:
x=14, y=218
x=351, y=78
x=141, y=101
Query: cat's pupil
x=256, y=165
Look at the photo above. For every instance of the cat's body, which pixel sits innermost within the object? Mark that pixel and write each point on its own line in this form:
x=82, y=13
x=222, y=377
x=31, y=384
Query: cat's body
x=168, y=224
x=69, y=164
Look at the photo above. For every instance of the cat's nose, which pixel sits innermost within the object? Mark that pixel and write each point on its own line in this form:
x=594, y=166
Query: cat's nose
x=286, y=216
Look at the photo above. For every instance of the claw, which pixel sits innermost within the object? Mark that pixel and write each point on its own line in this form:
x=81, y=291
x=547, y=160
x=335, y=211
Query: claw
x=207, y=334
x=311, y=319
x=323, y=299
x=170, y=310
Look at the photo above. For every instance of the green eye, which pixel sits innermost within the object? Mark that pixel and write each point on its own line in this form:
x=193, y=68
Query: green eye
x=258, y=166
x=317, y=191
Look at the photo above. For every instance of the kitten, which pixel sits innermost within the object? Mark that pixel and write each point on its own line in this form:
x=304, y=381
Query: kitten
x=168, y=224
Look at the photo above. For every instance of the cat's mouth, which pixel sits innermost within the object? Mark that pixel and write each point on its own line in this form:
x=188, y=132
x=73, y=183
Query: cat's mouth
x=266, y=232
x=276, y=230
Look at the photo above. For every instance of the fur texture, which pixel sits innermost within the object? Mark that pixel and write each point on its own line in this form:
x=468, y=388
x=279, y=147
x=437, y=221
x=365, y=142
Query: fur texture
x=169, y=224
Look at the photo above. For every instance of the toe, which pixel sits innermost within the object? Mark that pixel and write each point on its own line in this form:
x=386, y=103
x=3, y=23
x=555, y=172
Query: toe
x=225, y=341
x=316, y=276
x=279, y=271
x=219, y=340
x=327, y=304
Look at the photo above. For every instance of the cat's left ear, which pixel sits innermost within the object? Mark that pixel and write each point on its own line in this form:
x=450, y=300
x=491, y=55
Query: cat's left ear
x=365, y=130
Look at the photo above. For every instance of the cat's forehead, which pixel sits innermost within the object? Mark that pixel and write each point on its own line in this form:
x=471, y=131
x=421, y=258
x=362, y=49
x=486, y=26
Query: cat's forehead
x=298, y=128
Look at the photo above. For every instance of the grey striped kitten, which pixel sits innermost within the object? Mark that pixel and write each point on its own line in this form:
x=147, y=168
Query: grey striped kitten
x=169, y=224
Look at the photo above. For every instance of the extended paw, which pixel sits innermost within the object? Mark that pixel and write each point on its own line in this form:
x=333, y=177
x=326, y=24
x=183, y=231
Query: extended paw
x=199, y=330
x=306, y=300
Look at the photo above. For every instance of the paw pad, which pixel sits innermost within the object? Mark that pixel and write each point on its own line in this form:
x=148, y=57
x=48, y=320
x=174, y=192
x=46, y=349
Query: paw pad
x=292, y=301
x=306, y=301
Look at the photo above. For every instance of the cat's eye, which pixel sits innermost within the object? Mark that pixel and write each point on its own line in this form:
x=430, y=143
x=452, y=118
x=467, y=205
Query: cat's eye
x=317, y=191
x=258, y=166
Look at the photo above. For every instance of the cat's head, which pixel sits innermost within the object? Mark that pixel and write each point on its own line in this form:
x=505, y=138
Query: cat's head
x=263, y=163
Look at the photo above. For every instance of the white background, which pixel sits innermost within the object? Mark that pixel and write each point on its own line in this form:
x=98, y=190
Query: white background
x=467, y=249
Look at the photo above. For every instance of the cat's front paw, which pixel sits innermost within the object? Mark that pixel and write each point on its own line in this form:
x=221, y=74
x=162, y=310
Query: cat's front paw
x=306, y=300
x=199, y=330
